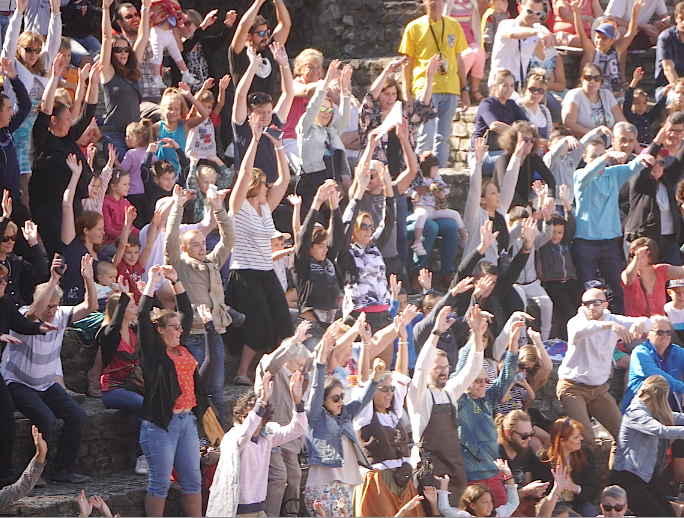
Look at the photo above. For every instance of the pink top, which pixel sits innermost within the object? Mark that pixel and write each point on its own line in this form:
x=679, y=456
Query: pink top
x=296, y=111
x=114, y=213
x=558, y=25
x=635, y=299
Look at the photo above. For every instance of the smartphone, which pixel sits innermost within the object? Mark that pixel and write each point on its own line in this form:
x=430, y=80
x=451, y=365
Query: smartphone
x=212, y=191
x=275, y=133
x=60, y=268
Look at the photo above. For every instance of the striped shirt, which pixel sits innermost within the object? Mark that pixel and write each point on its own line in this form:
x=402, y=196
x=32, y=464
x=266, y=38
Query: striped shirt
x=253, y=233
x=35, y=361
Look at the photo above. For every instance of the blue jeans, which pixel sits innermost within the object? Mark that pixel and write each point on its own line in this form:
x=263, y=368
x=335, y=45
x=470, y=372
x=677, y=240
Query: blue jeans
x=434, y=135
x=554, y=106
x=488, y=161
x=123, y=399
x=80, y=48
x=178, y=448
x=118, y=139
x=197, y=345
x=43, y=408
x=445, y=227
x=591, y=257
x=4, y=23
x=659, y=94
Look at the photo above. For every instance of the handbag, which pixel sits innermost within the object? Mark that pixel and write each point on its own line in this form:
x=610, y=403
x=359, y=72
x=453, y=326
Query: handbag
x=135, y=381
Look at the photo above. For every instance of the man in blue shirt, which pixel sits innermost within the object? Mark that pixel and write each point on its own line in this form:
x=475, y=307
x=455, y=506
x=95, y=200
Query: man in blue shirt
x=597, y=188
x=669, y=65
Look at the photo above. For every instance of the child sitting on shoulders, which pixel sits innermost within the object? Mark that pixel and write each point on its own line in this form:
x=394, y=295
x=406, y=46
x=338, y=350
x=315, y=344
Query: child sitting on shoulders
x=202, y=138
x=636, y=105
x=205, y=181
x=97, y=186
x=495, y=13
x=114, y=207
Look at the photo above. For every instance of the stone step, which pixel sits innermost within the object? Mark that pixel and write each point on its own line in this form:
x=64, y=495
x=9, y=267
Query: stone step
x=124, y=495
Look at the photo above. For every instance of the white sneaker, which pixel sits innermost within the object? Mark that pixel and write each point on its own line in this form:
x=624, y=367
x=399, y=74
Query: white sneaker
x=188, y=77
x=141, y=465
x=158, y=83
x=418, y=248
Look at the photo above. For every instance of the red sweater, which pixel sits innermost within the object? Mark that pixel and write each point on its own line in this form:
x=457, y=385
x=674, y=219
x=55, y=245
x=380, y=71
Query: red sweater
x=114, y=213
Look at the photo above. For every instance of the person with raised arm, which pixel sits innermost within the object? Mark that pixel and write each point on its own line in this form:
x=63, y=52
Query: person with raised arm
x=31, y=475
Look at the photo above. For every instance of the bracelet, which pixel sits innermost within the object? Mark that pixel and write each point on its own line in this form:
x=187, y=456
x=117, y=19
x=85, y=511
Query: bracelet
x=173, y=283
x=279, y=148
x=285, y=66
x=144, y=9
x=437, y=332
x=402, y=343
x=261, y=402
x=509, y=477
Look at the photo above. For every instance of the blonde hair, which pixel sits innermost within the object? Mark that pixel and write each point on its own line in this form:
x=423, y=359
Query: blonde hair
x=359, y=220
x=140, y=132
x=654, y=393
x=64, y=96
x=25, y=39
x=12, y=226
x=255, y=181
x=509, y=422
x=207, y=172
x=528, y=353
x=171, y=95
x=305, y=57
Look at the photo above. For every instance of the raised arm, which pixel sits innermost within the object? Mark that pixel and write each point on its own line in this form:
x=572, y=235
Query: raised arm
x=632, y=28
x=143, y=31
x=585, y=41
x=282, y=30
x=403, y=181
x=68, y=222
x=392, y=67
x=510, y=179
x=240, y=110
x=472, y=206
x=240, y=37
x=106, y=49
x=314, y=105
x=279, y=187
x=47, y=103
x=286, y=82
x=638, y=261
x=239, y=193
x=202, y=112
x=9, y=46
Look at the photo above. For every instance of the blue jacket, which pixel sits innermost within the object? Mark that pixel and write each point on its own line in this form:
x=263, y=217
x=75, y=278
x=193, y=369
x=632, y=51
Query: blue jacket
x=394, y=311
x=324, y=435
x=645, y=361
x=643, y=441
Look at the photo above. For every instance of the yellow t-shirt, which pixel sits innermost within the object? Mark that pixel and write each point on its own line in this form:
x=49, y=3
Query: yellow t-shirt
x=419, y=43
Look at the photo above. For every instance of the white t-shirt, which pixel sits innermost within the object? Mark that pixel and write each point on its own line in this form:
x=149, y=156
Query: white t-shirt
x=623, y=9
x=591, y=115
x=253, y=233
x=507, y=53
x=36, y=360
x=202, y=139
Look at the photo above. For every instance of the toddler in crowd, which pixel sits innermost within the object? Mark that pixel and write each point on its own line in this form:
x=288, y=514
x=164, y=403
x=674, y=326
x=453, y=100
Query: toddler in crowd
x=96, y=189
x=105, y=274
x=426, y=205
x=675, y=308
x=202, y=138
x=281, y=257
x=204, y=180
x=495, y=13
x=678, y=104
x=114, y=207
x=164, y=19
x=636, y=105
x=138, y=137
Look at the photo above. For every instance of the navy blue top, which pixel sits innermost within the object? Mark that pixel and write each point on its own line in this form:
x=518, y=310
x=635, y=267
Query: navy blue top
x=669, y=46
x=9, y=167
x=491, y=110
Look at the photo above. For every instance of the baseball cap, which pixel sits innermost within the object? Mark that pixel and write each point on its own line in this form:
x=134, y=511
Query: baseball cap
x=607, y=29
x=675, y=283
x=277, y=234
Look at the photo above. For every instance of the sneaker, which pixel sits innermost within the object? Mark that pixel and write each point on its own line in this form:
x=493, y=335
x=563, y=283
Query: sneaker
x=158, y=83
x=237, y=318
x=188, y=77
x=141, y=465
x=70, y=477
x=418, y=248
x=79, y=398
x=41, y=483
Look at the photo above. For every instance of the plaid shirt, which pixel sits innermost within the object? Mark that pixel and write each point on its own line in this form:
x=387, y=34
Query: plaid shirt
x=147, y=91
x=477, y=429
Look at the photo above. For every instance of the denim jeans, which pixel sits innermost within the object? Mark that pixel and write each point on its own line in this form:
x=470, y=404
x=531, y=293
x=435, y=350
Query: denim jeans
x=81, y=48
x=118, y=139
x=434, y=135
x=8, y=429
x=197, y=345
x=4, y=23
x=127, y=400
x=43, y=408
x=659, y=94
x=591, y=257
x=669, y=250
x=178, y=448
x=445, y=227
x=488, y=161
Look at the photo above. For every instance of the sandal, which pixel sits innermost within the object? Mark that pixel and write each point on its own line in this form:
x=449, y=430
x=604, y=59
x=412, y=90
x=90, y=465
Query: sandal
x=243, y=381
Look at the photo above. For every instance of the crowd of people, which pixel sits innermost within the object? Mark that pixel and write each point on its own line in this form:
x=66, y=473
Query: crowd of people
x=270, y=214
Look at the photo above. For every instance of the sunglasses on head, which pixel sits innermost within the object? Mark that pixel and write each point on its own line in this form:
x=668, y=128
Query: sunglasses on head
x=596, y=303
x=119, y=50
x=327, y=110
x=525, y=436
x=532, y=11
x=31, y=50
x=262, y=34
x=131, y=16
x=608, y=508
x=597, y=78
x=386, y=388
x=366, y=226
x=5, y=239
x=337, y=398
x=536, y=90
x=662, y=332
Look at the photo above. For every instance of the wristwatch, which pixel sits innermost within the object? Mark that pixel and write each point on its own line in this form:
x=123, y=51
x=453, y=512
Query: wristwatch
x=437, y=332
x=465, y=89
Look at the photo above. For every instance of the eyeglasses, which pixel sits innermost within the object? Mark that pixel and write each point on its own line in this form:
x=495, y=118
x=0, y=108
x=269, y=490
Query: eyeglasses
x=661, y=163
x=177, y=327
x=262, y=34
x=5, y=239
x=131, y=16
x=337, y=398
x=662, y=332
x=4, y=279
x=366, y=226
x=535, y=90
x=387, y=388
x=440, y=370
x=523, y=367
x=528, y=140
x=532, y=11
x=608, y=508
x=597, y=78
x=676, y=130
x=327, y=110
x=119, y=50
x=596, y=303
x=525, y=436
x=31, y=50
x=480, y=381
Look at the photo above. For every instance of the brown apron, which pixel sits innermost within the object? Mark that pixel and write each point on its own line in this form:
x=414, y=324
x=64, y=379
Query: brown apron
x=441, y=447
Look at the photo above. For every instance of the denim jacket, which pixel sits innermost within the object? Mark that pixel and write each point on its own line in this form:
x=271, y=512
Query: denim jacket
x=640, y=438
x=324, y=435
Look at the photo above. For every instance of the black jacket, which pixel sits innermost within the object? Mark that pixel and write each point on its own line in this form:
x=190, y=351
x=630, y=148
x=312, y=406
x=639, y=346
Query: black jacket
x=643, y=218
x=210, y=45
x=161, y=381
x=109, y=337
x=9, y=166
x=10, y=318
x=586, y=477
x=532, y=164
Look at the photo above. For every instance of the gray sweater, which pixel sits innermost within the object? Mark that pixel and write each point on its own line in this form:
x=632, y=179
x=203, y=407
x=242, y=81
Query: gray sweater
x=23, y=486
x=529, y=273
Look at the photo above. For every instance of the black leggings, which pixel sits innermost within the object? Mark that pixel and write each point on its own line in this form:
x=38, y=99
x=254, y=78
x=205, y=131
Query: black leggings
x=644, y=499
x=566, y=297
x=7, y=428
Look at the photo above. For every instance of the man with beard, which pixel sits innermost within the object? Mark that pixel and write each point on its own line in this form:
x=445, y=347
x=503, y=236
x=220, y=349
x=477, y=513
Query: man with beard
x=253, y=31
x=514, y=432
x=433, y=400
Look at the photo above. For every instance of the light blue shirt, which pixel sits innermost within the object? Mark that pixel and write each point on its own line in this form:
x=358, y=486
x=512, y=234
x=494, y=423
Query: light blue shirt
x=596, y=194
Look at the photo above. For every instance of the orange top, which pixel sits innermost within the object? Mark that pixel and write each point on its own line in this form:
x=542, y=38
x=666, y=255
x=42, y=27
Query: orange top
x=185, y=365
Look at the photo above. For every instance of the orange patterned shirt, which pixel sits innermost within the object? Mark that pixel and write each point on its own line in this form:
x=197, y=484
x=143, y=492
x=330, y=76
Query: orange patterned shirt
x=185, y=365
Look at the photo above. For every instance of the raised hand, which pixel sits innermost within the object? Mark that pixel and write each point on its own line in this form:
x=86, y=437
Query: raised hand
x=30, y=232
x=480, y=149
x=395, y=287
x=483, y=287
x=57, y=262
x=84, y=505
x=318, y=507
x=131, y=214
x=7, y=68
x=433, y=65
x=204, y=313
x=169, y=272
x=279, y=53
x=378, y=369
x=345, y=78
x=267, y=386
x=210, y=19
x=443, y=321
x=425, y=279
x=74, y=164
x=181, y=196
x=528, y=232
x=364, y=329
x=548, y=208
x=123, y=283
x=477, y=320
x=502, y=466
x=297, y=386
x=39, y=442
x=301, y=333
x=217, y=203
x=208, y=83
x=462, y=286
x=256, y=125
x=646, y=160
x=231, y=17
x=487, y=236
x=430, y=493
x=519, y=146
x=6, y=205
x=410, y=312
x=184, y=89
x=99, y=504
x=254, y=58
x=87, y=267
x=561, y=477
x=332, y=73
x=224, y=82
x=637, y=76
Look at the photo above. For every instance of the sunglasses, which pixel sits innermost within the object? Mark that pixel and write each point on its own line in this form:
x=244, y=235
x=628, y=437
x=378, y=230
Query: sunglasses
x=366, y=226
x=528, y=140
x=31, y=50
x=660, y=163
x=337, y=398
x=327, y=110
x=608, y=508
x=386, y=388
x=596, y=303
x=662, y=332
x=177, y=327
x=5, y=239
x=532, y=11
x=525, y=436
x=4, y=279
x=119, y=50
x=131, y=16
x=480, y=381
x=440, y=370
x=597, y=78
x=536, y=90
x=262, y=34
x=523, y=367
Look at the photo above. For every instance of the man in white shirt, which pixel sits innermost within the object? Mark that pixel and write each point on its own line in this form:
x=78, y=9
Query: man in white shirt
x=516, y=40
x=647, y=35
x=583, y=376
x=433, y=403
